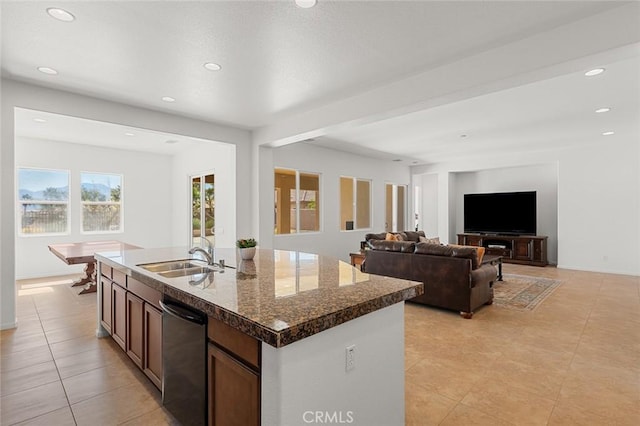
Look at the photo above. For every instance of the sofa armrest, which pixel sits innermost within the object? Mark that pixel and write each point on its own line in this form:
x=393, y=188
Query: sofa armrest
x=485, y=273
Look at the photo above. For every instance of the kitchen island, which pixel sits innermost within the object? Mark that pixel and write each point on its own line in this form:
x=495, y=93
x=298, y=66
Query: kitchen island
x=294, y=337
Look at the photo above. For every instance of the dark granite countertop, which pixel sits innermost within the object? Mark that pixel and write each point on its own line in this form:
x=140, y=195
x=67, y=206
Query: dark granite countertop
x=280, y=297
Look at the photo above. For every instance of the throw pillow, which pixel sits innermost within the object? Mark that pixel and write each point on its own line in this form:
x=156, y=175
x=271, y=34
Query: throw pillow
x=393, y=237
x=434, y=240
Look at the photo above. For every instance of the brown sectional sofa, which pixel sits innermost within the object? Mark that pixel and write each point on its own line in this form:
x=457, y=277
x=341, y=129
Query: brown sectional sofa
x=452, y=277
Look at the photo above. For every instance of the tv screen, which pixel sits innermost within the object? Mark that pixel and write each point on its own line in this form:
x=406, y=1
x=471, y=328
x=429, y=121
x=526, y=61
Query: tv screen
x=512, y=213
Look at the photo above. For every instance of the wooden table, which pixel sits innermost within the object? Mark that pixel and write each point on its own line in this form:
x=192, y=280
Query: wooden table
x=357, y=259
x=77, y=253
x=494, y=260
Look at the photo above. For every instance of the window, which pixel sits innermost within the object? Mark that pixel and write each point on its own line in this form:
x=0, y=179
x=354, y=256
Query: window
x=396, y=202
x=43, y=200
x=203, y=220
x=101, y=199
x=297, y=202
x=355, y=203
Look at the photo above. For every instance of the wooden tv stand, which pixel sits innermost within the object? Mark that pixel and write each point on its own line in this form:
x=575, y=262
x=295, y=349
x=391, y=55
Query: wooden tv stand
x=525, y=249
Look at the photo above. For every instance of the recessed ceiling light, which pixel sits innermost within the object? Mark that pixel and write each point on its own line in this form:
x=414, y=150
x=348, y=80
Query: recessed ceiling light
x=168, y=99
x=60, y=14
x=608, y=133
x=397, y=160
x=211, y=66
x=47, y=70
x=39, y=120
x=306, y=4
x=171, y=141
x=463, y=136
x=129, y=134
x=594, y=71
x=599, y=110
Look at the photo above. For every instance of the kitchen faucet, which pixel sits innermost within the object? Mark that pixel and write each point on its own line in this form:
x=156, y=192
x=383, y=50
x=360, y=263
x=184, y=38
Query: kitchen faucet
x=208, y=257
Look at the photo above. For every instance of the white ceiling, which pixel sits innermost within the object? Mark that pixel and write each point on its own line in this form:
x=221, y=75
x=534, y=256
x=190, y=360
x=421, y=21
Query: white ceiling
x=279, y=60
x=62, y=128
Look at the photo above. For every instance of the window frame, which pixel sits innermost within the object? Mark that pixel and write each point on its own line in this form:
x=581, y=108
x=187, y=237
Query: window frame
x=20, y=203
x=354, y=182
x=84, y=203
x=319, y=211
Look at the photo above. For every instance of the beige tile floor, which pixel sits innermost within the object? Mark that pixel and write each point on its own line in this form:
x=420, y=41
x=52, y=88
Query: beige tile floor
x=575, y=360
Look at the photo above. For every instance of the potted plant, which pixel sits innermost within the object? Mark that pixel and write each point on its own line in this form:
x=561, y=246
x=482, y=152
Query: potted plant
x=247, y=248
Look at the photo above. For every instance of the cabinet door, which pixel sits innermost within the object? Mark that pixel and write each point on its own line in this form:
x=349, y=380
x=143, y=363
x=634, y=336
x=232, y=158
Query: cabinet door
x=119, y=315
x=234, y=391
x=105, y=308
x=135, y=328
x=522, y=249
x=152, y=361
x=473, y=240
x=539, y=251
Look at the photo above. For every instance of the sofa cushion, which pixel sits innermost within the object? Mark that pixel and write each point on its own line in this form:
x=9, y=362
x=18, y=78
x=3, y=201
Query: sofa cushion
x=466, y=252
x=479, y=252
x=400, y=246
x=414, y=235
x=434, y=240
x=434, y=249
x=380, y=236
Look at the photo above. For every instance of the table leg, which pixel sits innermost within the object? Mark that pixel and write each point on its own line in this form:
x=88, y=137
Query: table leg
x=89, y=275
x=500, y=270
x=89, y=279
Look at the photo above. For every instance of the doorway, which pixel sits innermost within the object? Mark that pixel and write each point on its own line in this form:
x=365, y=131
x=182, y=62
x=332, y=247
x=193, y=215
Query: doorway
x=202, y=215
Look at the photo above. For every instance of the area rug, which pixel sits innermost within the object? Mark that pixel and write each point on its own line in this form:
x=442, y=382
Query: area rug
x=522, y=292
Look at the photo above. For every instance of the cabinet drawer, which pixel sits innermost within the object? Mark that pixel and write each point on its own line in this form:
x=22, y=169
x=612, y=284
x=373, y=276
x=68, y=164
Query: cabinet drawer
x=105, y=270
x=145, y=292
x=120, y=278
x=243, y=346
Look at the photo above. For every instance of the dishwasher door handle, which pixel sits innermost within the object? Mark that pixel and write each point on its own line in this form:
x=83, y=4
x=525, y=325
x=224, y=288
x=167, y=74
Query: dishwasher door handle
x=182, y=313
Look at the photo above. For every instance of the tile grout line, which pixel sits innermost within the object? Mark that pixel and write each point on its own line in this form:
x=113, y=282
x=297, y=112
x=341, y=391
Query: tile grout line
x=557, y=401
x=56, y=364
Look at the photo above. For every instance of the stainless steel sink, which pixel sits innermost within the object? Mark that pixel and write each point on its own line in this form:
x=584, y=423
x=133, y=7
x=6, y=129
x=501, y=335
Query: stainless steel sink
x=188, y=271
x=179, y=268
x=172, y=265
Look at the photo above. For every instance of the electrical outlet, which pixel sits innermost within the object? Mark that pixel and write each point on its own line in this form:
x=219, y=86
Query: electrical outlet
x=350, y=361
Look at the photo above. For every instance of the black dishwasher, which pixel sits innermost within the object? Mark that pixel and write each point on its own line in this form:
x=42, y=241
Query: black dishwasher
x=184, y=362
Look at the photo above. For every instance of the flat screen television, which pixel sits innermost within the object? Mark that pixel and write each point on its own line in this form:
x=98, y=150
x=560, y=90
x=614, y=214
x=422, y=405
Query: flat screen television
x=509, y=213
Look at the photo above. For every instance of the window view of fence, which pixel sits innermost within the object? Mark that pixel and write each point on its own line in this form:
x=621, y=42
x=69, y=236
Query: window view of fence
x=296, y=202
x=43, y=200
x=101, y=196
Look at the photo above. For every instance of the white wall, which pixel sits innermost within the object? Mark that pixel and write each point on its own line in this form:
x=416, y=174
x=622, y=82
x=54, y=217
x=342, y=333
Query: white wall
x=540, y=178
x=17, y=94
x=598, y=217
x=429, y=191
x=599, y=208
x=331, y=165
x=146, y=198
x=220, y=159
x=310, y=375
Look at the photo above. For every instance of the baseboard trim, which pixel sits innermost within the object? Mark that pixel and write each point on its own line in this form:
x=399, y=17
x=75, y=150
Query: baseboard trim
x=8, y=325
x=613, y=272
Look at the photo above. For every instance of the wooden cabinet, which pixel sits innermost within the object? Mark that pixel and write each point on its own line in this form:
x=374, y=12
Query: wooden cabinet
x=135, y=328
x=119, y=315
x=129, y=311
x=234, y=391
x=152, y=361
x=234, y=364
x=105, y=305
x=527, y=249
